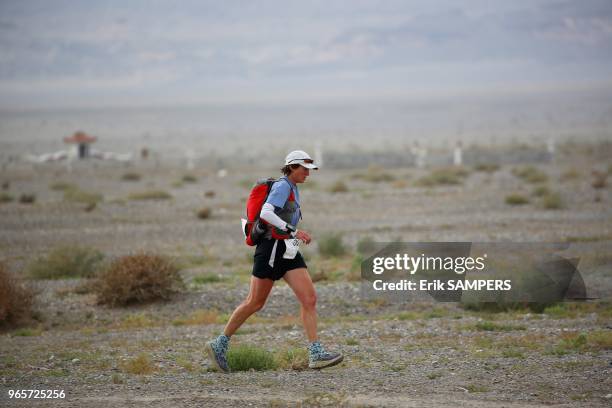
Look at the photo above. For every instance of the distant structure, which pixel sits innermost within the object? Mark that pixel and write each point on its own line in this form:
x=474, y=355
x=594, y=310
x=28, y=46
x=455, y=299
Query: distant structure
x=81, y=141
x=458, y=154
x=82, y=150
x=420, y=154
x=550, y=148
x=318, y=153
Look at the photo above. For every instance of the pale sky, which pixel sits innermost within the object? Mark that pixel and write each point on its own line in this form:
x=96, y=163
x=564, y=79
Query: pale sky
x=116, y=53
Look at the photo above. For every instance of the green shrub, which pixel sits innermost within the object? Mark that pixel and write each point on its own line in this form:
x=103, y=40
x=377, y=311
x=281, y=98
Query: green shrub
x=338, y=187
x=375, y=174
x=207, y=278
x=16, y=298
x=138, y=278
x=443, y=176
x=540, y=191
x=6, y=198
x=66, y=262
x=487, y=167
x=516, y=199
x=76, y=195
x=530, y=174
x=131, y=176
x=552, y=201
x=189, y=178
x=62, y=185
x=245, y=358
x=150, y=195
x=365, y=245
x=331, y=245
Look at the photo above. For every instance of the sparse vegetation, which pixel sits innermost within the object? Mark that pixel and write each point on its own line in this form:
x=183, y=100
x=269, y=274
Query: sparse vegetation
x=189, y=178
x=16, y=298
x=245, y=357
x=374, y=174
x=295, y=358
x=139, y=365
x=540, y=191
x=516, y=199
x=530, y=174
x=205, y=278
x=571, y=174
x=27, y=198
x=198, y=317
x=600, y=180
x=487, y=167
x=67, y=262
x=443, y=176
x=552, y=201
x=138, y=278
x=492, y=326
x=209, y=194
x=338, y=187
x=131, y=176
x=77, y=195
x=365, y=245
x=6, y=198
x=150, y=195
x=331, y=245
x=204, y=213
x=62, y=186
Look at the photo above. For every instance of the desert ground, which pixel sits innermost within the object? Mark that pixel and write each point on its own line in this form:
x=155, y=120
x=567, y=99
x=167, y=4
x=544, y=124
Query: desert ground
x=422, y=354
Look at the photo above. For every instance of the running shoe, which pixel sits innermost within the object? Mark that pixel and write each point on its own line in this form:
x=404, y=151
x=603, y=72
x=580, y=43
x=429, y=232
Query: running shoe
x=217, y=351
x=320, y=358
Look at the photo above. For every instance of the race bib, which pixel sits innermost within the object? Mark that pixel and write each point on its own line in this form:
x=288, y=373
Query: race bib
x=292, y=246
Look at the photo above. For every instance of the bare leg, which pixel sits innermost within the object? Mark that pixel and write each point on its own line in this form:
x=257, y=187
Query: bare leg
x=299, y=280
x=258, y=293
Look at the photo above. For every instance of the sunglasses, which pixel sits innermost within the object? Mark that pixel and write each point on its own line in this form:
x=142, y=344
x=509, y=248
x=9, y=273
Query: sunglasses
x=307, y=161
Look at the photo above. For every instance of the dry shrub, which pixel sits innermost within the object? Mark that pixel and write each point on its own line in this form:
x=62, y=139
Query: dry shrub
x=27, y=198
x=198, y=317
x=16, y=298
x=211, y=193
x=150, y=195
x=138, y=278
x=600, y=180
x=131, y=176
x=530, y=174
x=443, y=176
x=338, y=187
x=139, y=365
x=516, y=199
x=204, y=213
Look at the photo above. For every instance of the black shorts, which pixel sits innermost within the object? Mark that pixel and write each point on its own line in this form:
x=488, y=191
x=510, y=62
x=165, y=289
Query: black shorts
x=261, y=265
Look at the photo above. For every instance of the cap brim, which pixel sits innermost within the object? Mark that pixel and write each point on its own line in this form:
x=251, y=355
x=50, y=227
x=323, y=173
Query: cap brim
x=310, y=166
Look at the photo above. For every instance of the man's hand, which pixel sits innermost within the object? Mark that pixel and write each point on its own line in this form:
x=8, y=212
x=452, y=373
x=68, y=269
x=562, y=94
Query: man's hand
x=303, y=236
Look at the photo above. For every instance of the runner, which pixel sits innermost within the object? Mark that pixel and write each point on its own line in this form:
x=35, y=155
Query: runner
x=277, y=258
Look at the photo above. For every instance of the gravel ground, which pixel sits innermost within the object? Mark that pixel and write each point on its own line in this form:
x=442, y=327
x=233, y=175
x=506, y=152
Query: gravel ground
x=434, y=357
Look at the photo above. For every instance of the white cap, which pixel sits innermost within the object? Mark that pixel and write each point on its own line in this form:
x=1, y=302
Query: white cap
x=300, y=157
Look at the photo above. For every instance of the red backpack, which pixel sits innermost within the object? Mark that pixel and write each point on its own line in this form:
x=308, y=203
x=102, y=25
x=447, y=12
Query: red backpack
x=255, y=228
